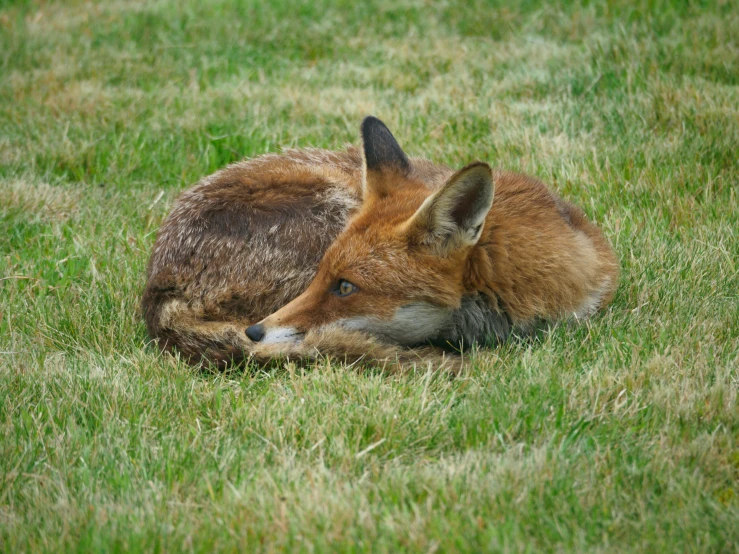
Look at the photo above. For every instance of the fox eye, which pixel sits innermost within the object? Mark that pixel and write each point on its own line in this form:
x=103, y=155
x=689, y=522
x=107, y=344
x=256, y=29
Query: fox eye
x=345, y=288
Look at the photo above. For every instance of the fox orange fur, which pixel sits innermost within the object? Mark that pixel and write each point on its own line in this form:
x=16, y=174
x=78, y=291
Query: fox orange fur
x=367, y=254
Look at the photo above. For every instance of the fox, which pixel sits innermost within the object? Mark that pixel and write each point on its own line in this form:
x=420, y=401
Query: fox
x=367, y=254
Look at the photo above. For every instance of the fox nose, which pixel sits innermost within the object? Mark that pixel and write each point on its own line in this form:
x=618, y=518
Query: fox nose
x=255, y=332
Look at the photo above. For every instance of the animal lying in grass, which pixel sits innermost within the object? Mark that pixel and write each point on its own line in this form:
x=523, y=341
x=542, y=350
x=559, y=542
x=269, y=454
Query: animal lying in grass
x=367, y=254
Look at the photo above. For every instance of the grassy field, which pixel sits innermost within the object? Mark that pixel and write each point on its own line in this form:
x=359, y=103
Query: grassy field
x=621, y=435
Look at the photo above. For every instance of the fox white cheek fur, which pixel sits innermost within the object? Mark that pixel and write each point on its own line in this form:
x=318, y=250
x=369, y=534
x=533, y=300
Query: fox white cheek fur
x=411, y=324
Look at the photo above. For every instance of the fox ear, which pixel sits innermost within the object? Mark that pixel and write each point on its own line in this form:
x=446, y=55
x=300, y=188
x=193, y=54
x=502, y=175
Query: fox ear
x=382, y=155
x=454, y=215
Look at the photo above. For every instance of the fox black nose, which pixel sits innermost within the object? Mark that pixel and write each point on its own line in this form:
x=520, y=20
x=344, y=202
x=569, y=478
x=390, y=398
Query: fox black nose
x=255, y=332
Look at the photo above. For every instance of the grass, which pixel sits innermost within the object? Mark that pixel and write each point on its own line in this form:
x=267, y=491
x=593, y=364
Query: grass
x=621, y=435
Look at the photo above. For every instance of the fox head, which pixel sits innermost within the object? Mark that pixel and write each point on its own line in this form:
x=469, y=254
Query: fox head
x=398, y=269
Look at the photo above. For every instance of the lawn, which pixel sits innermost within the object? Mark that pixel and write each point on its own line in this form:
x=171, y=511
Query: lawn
x=619, y=435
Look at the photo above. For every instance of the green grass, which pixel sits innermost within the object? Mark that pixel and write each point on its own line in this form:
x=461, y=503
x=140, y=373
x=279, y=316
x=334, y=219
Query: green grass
x=619, y=435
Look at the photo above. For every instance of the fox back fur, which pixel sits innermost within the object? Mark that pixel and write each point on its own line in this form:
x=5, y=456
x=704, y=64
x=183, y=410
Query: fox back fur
x=367, y=254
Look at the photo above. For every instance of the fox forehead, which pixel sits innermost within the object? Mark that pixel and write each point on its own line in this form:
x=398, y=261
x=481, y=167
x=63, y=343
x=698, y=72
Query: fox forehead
x=367, y=242
x=374, y=260
x=384, y=262
x=377, y=230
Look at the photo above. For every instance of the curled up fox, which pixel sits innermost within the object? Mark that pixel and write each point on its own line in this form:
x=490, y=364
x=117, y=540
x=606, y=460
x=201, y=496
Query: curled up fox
x=367, y=254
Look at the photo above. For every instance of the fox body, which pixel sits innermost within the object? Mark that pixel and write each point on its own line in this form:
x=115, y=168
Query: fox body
x=365, y=252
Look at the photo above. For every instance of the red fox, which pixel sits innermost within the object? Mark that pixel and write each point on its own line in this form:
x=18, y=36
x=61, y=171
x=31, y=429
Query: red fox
x=367, y=253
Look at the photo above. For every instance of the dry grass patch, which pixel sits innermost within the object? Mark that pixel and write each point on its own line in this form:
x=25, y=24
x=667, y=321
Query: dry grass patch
x=39, y=201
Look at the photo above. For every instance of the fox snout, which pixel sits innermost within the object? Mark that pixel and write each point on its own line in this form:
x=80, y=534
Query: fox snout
x=259, y=332
x=280, y=327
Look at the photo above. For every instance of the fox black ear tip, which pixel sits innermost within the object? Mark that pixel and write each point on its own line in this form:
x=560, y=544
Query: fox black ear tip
x=381, y=150
x=371, y=121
